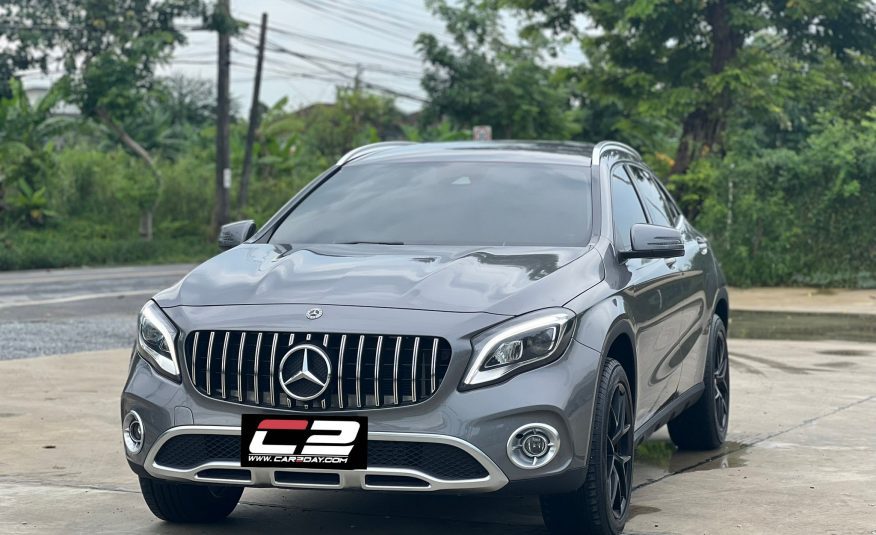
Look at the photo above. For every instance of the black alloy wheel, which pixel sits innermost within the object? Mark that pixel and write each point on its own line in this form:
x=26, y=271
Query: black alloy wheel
x=721, y=382
x=619, y=451
x=703, y=425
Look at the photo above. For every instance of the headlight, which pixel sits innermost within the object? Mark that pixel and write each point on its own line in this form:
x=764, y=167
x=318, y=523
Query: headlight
x=518, y=345
x=156, y=340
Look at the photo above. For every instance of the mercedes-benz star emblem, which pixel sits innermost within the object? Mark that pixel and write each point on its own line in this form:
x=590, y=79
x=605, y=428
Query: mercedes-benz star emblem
x=305, y=372
x=313, y=313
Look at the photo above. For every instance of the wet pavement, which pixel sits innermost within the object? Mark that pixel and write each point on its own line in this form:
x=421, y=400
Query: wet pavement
x=800, y=458
x=776, y=325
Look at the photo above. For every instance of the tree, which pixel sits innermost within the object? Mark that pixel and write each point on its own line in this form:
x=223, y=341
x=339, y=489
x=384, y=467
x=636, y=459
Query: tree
x=170, y=114
x=191, y=102
x=694, y=59
x=24, y=158
x=483, y=79
x=108, y=51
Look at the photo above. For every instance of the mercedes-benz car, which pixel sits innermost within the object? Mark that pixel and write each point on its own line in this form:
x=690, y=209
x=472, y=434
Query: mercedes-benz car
x=439, y=317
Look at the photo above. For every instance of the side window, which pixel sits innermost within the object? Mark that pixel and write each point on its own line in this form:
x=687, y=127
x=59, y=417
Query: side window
x=658, y=206
x=625, y=206
x=670, y=203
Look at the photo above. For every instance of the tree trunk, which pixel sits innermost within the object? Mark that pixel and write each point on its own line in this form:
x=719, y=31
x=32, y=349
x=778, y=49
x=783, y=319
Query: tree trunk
x=703, y=128
x=147, y=215
x=146, y=224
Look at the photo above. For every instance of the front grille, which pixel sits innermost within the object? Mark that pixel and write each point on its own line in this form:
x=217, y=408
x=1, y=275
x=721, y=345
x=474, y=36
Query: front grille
x=438, y=460
x=367, y=371
x=441, y=461
x=188, y=451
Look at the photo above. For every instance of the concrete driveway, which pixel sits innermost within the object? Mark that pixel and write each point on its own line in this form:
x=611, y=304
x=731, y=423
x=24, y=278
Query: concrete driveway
x=801, y=458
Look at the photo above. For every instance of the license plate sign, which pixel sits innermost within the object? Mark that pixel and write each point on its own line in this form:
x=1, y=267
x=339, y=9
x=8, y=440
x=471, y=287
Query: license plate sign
x=304, y=442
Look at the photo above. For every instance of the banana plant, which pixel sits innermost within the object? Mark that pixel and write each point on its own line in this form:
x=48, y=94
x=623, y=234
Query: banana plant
x=33, y=202
x=26, y=134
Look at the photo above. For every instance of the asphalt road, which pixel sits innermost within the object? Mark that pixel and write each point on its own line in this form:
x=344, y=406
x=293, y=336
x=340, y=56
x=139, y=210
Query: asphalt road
x=52, y=312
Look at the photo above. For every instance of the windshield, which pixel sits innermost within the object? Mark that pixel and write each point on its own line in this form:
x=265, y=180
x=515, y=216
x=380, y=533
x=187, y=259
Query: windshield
x=439, y=203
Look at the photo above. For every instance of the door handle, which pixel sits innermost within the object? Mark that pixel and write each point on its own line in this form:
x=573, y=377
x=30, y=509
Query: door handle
x=703, y=245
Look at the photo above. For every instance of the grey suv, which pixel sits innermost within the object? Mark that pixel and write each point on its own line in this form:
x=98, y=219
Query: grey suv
x=449, y=317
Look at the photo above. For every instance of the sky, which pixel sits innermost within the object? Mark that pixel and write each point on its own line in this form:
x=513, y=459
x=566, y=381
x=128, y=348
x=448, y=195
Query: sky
x=335, y=36
x=315, y=45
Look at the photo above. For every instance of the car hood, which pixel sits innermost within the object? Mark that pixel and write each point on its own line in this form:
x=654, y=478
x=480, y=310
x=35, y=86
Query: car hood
x=501, y=280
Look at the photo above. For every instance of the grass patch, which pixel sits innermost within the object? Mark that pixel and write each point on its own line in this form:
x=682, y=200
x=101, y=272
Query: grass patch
x=48, y=249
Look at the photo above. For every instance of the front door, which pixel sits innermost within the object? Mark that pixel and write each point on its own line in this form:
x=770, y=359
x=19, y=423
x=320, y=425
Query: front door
x=681, y=327
x=647, y=289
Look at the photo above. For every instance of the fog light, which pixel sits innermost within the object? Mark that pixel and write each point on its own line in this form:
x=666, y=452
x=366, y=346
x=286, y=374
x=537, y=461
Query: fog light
x=132, y=430
x=533, y=445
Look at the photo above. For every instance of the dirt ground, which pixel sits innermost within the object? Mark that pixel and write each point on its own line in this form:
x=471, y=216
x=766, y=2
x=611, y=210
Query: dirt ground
x=808, y=300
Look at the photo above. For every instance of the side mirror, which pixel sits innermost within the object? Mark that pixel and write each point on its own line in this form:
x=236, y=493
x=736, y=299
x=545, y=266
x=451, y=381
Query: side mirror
x=654, y=241
x=233, y=234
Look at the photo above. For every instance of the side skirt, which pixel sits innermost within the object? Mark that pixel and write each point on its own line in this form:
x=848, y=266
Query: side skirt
x=669, y=411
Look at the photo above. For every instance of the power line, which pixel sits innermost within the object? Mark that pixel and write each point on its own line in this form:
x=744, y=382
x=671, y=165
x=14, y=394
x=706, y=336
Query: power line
x=338, y=79
x=318, y=41
x=369, y=85
x=343, y=17
x=331, y=68
x=398, y=18
x=371, y=12
x=276, y=47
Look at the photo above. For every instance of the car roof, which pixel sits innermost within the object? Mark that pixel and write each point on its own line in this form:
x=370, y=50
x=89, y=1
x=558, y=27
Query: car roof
x=510, y=151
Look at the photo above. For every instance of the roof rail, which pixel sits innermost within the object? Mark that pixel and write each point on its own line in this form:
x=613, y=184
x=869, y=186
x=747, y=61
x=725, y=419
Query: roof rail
x=604, y=146
x=370, y=148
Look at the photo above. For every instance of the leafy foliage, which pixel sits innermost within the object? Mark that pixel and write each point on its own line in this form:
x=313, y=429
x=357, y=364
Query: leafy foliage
x=490, y=81
x=755, y=111
x=760, y=114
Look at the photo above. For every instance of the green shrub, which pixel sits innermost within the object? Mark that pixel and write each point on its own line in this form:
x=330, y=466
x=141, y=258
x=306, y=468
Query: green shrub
x=55, y=248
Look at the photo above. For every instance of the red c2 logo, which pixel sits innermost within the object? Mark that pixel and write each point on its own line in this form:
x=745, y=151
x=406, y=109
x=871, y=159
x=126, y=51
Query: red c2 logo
x=339, y=444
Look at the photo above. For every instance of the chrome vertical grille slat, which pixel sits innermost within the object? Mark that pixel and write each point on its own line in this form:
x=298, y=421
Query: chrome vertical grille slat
x=395, y=363
x=414, y=369
x=194, y=358
x=209, y=361
x=271, y=372
x=240, y=367
x=377, y=398
x=224, y=359
x=255, y=370
x=340, y=371
x=288, y=399
x=434, y=366
x=359, y=371
x=377, y=370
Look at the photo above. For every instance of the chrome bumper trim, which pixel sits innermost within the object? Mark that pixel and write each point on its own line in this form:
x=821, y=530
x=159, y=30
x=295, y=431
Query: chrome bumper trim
x=348, y=479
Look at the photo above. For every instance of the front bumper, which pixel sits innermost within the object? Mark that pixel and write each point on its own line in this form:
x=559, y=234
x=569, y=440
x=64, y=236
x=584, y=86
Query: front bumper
x=373, y=478
x=478, y=421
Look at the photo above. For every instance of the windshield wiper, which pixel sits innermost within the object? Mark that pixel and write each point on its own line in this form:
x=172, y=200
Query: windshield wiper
x=372, y=242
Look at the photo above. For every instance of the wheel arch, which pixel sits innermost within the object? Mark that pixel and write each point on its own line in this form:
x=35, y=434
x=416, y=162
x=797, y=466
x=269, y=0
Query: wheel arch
x=722, y=306
x=606, y=327
x=620, y=345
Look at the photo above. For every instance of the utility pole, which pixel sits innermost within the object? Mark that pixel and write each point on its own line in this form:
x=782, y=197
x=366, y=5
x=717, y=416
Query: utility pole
x=223, y=170
x=357, y=97
x=253, y=119
x=357, y=81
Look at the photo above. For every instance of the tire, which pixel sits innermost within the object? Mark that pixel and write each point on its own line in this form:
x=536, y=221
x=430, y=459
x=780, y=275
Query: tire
x=181, y=502
x=703, y=426
x=601, y=504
